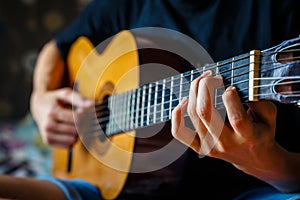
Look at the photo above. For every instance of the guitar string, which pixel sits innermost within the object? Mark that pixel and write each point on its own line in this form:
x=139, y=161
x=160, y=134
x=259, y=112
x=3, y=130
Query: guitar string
x=225, y=86
x=245, y=97
x=99, y=105
x=176, y=100
x=100, y=119
x=213, y=67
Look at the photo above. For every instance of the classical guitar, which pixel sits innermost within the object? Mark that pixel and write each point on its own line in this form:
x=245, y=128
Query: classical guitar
x=111, y=78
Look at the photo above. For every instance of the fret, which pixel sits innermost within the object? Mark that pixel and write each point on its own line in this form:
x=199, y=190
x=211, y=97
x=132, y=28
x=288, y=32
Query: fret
x=123, y=119
x=155, y=102
x=138, y=110
x=192, y=76
x=143, y=107
x=176, y=86
x=185, y=86
x=127, y=121
x=176, y=94
x=171, y=95
x=196, y=74
x=162, y=100
x=152, y=104
x=159, y=101
x=232, y=71
x=112, y=115
x=108, y=125
x=149, y=105
x=167, y=98
x=203, y=69
x=225, y=70
x=118, y=114
x=120, y=109
x=241, y=74
x=217, y=69
x=132, y=109
x=180, y=87
x=122, y=113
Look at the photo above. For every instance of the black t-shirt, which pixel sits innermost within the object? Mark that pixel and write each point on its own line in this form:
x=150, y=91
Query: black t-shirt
x=225, y=29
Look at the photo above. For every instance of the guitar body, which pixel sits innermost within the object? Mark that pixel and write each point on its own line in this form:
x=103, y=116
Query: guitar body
x=118, y=66
x=96, y=77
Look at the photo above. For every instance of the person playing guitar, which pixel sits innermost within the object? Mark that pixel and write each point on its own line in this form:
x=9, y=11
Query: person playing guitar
x=246, y=143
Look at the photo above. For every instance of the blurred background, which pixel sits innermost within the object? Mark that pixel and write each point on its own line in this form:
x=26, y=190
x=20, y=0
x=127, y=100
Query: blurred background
x=25, y=25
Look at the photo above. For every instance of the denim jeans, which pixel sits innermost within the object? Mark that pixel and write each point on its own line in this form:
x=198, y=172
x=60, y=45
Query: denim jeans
x=267, y=193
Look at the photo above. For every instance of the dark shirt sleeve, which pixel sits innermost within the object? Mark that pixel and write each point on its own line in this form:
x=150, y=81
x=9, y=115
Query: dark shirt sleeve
x=97, y=21
x=80, y=27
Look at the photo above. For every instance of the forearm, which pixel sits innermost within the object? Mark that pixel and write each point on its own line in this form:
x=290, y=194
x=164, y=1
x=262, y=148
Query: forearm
x=279, y=168
x=26, y=188
x=49, y=69
x=288, y=177
x=48, y=75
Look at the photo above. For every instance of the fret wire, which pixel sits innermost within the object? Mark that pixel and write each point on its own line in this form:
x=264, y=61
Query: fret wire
x=217, y=68
x=180, y=87
x=110, y=115
x=149, y=101
x=162, y=100
x=123, y=116
x=109, y=122
x=155, y=101
x=137, y=109
x=203, y=69
x=171, y=95
x=120, y=116
x=127, y=127
x=132, y=110
x=123, y=111
x=192, y=76
x=232, y=71
x=143, y=102
x=113, y=114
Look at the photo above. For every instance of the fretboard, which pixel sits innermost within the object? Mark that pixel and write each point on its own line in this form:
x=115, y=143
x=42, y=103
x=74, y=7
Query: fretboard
x=153, y=103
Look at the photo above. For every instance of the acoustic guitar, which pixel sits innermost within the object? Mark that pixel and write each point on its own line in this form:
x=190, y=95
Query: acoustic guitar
x=111, y=78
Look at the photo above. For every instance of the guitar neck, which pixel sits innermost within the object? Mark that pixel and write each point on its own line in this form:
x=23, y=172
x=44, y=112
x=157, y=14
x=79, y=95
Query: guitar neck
x=153, y=103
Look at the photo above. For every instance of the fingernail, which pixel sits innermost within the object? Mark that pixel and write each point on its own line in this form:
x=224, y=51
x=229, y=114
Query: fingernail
x=87, y=102
x=207, y=73
x=184, y=101
x=231, y=88
x=219, y=77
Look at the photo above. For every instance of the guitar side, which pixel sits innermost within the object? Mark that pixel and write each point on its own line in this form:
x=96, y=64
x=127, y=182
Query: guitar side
x=97, y=76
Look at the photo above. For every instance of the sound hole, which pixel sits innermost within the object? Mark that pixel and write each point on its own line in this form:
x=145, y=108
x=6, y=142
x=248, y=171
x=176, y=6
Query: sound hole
x=103, y=118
